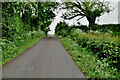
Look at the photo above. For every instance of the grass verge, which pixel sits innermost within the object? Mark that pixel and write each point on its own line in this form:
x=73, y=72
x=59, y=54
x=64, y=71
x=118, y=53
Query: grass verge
x=88, y=63
x=20, y=49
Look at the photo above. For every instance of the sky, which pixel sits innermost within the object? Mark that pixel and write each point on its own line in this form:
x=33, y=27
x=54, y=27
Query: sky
x=108, y=18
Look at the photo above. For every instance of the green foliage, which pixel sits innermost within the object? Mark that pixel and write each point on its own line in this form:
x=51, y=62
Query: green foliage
x=89, y=64
x=26, y=10
x=11, y=26
x=21, y=42
x=105, y=50
x=46, y=14
x=16, y=38
x=113, y=29
x=35, y=15
x=85, y=28
x=22, y=23
x=63, y=29
x=100, y=50
x=91, y=9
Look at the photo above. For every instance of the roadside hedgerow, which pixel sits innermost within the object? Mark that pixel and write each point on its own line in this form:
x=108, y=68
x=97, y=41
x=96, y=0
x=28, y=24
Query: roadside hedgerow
x=89, y=64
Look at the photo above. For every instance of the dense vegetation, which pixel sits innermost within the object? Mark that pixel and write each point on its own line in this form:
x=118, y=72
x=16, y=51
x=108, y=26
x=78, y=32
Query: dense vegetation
x=23, y=24
x=113, y=29
x=96, y=50
x=102, y=46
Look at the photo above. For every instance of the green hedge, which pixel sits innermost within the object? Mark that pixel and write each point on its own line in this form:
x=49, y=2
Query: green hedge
x=111, y=28
x=105, y=50
x=17, y=37
x=62, y=29
x=12, y=49
x=89, y=64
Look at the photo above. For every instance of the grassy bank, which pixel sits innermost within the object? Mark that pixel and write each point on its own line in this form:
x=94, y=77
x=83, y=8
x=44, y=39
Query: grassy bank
x=96, y=35
x=17, y=36
x=90, y=65
x=97, y=53
x=104, y=46
x=12, y=49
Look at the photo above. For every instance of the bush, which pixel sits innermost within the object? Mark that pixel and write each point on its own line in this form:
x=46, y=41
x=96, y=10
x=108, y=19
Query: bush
x=104, y=50
x=88, y=63
x=100, y=45
x=63, y=29
x=17, y=35
x=11, y=49
x=113, y=29
x=110, y=28
x=85, y=28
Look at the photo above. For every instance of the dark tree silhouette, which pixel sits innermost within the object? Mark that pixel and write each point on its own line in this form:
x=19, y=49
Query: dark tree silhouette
x=91, y=9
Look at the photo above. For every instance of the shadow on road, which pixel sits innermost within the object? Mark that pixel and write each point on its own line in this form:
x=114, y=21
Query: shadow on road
x=51, y=38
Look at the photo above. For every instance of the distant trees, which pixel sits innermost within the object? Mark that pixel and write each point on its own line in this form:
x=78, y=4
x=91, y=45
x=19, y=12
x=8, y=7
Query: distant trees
x=91, y=9
x=63, y=29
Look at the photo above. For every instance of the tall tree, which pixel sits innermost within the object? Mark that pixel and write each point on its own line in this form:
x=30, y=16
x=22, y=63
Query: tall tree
x=45, y=14
x=35, y=15
x=91, y=9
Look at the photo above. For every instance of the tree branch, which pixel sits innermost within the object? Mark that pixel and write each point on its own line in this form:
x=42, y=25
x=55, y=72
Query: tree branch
x=72, y=16
x=80, y=18
x=80, y=12
x=79, y=6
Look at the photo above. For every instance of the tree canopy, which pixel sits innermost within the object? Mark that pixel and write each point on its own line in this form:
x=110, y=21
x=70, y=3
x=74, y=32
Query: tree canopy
x=35, y=16
x=91, y=9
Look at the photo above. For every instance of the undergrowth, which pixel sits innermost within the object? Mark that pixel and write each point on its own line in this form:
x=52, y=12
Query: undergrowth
x=90, y=65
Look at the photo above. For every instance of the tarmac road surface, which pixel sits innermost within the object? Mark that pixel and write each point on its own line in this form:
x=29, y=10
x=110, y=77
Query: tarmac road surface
x=46, y=59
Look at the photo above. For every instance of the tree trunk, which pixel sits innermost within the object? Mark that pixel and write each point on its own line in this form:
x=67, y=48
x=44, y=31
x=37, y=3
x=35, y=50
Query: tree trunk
x=91, y=21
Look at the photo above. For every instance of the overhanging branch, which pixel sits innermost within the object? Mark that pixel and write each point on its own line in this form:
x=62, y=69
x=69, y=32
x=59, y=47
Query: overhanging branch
x=72, y=16
x=77, y=11
x=79, y=6
x=80, y=18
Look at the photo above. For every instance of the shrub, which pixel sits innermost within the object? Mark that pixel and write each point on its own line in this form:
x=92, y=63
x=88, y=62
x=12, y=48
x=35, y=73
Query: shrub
x=90, y=65
x=10, y=49
x=63, y=29
x=104, y=50
x=114, y=29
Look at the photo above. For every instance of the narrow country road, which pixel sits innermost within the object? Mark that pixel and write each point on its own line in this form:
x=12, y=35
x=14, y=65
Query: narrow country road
x=47, y=59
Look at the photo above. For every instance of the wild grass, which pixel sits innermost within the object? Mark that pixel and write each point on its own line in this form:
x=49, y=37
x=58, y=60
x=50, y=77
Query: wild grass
x=101, y=37
x=88, y=63
x=10, y=50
